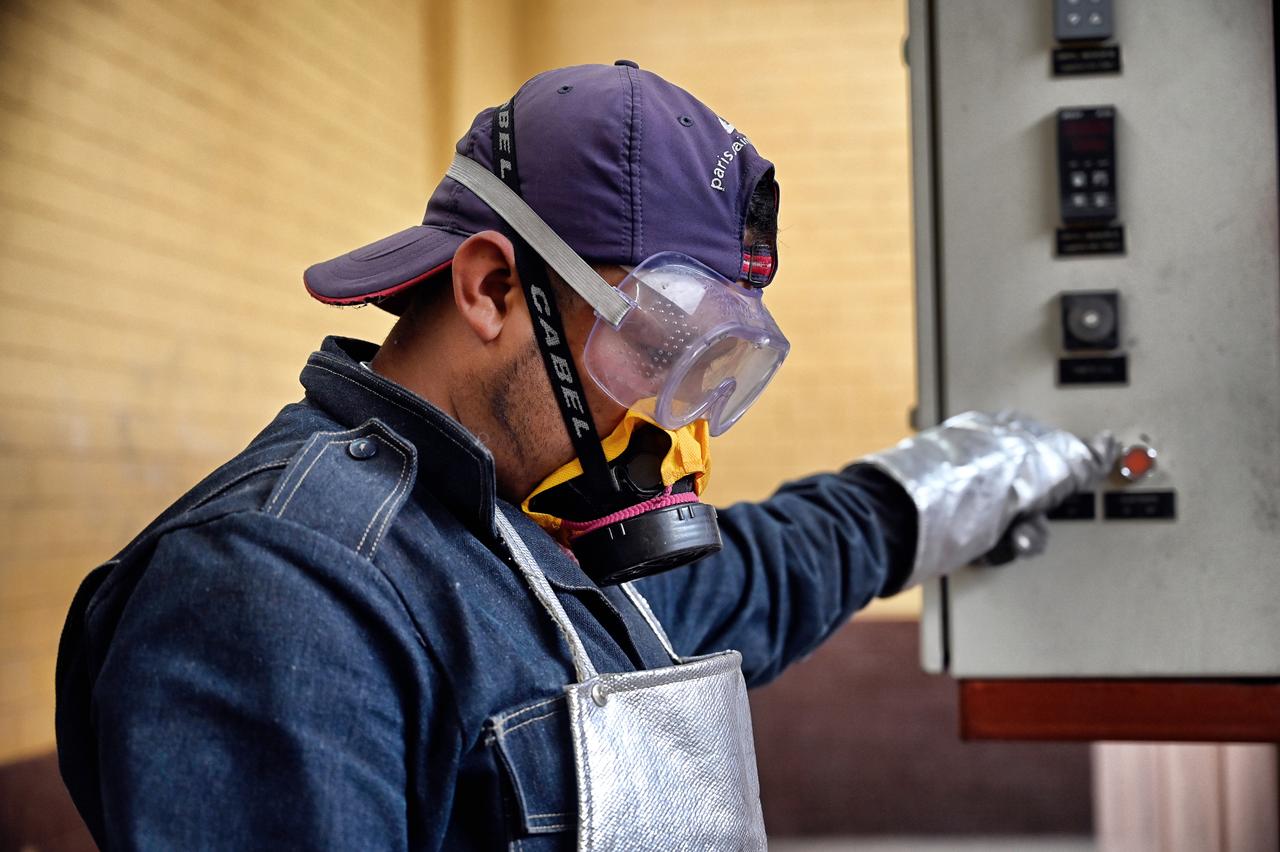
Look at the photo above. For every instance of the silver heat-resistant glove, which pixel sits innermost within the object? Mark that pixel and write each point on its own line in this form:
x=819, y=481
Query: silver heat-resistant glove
x=978, y=475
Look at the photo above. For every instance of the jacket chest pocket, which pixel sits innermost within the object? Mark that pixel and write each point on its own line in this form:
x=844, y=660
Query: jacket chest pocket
x=536, y=754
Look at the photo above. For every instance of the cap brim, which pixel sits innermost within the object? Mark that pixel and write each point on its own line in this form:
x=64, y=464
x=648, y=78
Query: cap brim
x=383, y=269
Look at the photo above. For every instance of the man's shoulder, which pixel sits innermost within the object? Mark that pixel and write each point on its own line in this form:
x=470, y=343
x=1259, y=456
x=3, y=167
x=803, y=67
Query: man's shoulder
x=346, y=483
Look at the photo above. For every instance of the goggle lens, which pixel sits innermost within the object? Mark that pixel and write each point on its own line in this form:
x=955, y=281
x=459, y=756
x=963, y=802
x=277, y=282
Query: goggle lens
x=695, y=345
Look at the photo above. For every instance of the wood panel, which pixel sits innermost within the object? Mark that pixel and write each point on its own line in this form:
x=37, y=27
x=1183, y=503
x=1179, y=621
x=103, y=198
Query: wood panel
x=1154, y=710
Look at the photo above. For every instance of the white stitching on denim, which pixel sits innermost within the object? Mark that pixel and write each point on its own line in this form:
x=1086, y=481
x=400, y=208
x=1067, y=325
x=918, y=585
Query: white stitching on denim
x=279, y=489
x=297, y=482
x=406, y=409
x=311, y=442
x=502, y=719
x=528, y=722
x=557, y=827
x=395, y=492
x=306, y=473
x=217, y=492
x=416, y=415
x=401, y=486
x=547, y=816
x=404, y=486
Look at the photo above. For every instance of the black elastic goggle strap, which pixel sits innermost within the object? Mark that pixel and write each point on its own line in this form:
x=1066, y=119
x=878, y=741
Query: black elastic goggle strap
x=548, y=328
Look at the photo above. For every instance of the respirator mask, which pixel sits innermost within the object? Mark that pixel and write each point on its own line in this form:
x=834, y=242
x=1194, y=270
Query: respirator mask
x=684, y=349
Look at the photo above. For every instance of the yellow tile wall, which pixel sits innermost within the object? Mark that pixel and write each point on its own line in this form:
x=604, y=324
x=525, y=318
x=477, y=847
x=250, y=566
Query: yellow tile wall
x=169, y=167
x=167, y=170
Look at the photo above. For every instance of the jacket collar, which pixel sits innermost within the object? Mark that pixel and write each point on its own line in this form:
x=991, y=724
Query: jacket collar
x=452, y=463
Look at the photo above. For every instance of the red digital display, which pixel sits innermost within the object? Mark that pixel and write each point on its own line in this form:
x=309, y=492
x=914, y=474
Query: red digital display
x=1087, y=127
x=1089, y=145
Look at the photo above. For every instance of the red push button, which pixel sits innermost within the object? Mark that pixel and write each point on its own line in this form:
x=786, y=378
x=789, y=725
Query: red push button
x=1136, y=462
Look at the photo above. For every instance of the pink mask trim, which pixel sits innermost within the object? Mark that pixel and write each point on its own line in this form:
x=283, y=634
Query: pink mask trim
x=663, y=500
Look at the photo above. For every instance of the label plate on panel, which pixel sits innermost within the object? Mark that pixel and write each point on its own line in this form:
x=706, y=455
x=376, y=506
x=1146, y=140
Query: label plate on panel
x=1069, y=61
x=1099, y=370
x=1081, y=506
x=1139, y=505
x=1077, y=242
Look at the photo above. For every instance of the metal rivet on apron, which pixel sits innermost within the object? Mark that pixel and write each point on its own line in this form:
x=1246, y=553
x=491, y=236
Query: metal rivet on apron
x=599, y=695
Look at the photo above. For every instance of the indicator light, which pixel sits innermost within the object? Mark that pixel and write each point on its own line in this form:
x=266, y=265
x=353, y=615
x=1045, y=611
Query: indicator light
x=1136, y=462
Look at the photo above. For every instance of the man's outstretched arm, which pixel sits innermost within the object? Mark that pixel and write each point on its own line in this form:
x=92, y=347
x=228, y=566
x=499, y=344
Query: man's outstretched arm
x=796, y=566
x=793, y=569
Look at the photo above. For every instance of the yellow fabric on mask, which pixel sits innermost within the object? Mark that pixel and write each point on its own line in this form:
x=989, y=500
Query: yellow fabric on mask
x=690, y=453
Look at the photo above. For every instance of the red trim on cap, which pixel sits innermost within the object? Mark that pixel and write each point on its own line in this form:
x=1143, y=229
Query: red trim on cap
x=380, y=294
x=756, y=267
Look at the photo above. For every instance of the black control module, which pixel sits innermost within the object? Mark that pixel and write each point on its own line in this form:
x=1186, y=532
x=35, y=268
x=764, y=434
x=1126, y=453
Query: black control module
x=1087, y=164
x=1083, y=20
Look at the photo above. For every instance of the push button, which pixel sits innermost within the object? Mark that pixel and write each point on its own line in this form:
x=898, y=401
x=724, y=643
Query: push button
x=1091, y=320
x=1137, y=462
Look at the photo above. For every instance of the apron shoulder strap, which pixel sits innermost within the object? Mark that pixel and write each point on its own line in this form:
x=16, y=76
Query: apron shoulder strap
x=546, y=596
x=528, y=566
x=646, y=612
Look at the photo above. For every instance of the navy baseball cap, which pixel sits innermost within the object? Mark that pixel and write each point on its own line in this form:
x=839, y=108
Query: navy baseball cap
x=619, y=162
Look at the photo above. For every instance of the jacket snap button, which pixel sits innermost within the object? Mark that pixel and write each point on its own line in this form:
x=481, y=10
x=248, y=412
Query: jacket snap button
x=362, y=448
x=599, y=695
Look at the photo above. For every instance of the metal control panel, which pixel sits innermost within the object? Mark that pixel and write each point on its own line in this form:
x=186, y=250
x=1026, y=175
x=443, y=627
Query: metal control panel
x=1098, y=246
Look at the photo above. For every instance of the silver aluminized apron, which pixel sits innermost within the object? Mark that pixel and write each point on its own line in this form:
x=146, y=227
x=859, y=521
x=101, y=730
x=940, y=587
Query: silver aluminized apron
x=664, y=757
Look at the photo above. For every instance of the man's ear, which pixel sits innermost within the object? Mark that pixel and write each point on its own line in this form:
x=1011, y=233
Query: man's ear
x=485, y=284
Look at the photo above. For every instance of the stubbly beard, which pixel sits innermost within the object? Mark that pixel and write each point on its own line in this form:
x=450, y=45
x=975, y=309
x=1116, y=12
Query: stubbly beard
x=525, y=418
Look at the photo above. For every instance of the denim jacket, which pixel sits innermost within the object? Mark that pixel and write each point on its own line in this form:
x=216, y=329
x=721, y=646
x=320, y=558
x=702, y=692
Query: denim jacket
x=324, y=645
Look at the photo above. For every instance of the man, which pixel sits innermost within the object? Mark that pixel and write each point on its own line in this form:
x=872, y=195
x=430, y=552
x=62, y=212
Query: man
x=401, y=617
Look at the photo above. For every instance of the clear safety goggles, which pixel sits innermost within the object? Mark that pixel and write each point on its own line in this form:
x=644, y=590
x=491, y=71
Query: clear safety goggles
x=674, y=339
x=693, y=346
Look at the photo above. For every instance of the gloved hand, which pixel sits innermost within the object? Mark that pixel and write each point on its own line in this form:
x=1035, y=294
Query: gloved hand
x=978, y=475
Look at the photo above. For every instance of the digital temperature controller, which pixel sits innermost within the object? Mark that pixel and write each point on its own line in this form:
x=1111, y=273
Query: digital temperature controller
x=1087, y=164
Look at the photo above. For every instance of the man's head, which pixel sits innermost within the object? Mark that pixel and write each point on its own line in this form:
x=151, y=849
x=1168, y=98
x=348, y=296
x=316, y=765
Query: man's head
x=621, y=165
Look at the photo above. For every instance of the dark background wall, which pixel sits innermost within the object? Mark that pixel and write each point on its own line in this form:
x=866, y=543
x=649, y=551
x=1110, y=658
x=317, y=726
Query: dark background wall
x=858, y=740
